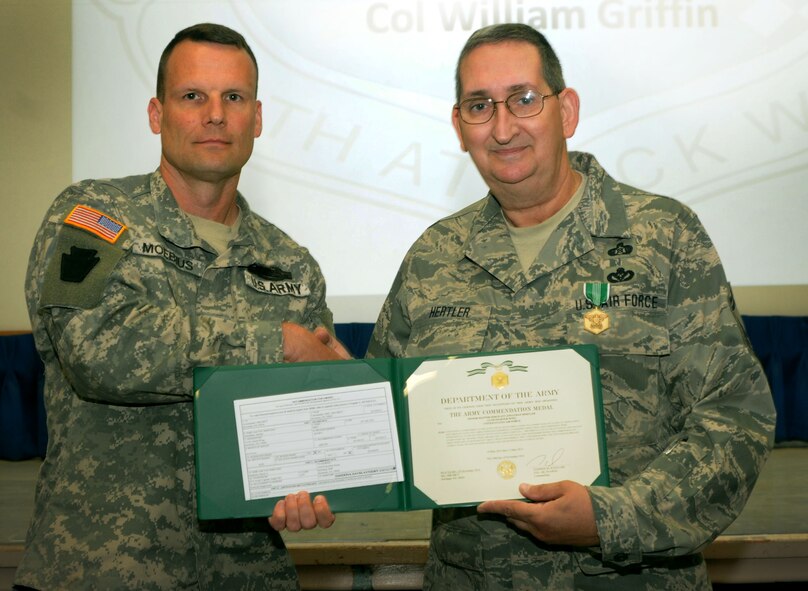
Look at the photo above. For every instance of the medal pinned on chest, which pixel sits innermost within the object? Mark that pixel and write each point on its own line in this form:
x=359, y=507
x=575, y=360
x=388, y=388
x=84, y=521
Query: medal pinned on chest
x=596, y=320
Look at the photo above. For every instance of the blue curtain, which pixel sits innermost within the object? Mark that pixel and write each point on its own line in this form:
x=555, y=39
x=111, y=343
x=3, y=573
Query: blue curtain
x=22, y=409
x=780, y=342
x=355, y=336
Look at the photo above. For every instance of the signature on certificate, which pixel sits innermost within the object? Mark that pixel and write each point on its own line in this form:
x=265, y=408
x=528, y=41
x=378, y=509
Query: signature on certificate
x=547, y=460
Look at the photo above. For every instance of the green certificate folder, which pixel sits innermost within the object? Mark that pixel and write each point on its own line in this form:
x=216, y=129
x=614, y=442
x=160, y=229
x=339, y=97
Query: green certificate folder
x=397, y=434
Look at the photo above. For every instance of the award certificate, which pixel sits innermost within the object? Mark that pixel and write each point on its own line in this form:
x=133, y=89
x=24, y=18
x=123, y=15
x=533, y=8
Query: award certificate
x=479, y=427
x=397, y=434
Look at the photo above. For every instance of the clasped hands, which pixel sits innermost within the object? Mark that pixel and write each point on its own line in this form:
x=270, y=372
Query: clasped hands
x=301, y=344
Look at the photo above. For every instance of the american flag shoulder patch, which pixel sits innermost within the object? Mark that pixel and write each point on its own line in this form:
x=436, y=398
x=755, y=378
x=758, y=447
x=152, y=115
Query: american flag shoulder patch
x=95, y=222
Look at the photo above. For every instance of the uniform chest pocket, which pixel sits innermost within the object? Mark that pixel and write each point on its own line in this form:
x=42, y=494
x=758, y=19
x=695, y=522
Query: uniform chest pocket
x=637, y=324
x=448, y=329
x=637, y=410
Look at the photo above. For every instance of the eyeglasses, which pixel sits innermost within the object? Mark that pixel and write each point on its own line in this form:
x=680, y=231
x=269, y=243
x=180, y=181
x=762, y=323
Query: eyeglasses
x=525, y=103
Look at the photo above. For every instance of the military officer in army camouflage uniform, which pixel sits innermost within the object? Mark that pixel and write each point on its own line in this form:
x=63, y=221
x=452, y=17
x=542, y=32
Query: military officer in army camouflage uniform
x=560, y=253
x=132, y=283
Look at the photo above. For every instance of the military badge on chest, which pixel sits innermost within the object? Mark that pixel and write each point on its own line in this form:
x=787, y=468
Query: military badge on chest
x=596, y=320
x=617, y=253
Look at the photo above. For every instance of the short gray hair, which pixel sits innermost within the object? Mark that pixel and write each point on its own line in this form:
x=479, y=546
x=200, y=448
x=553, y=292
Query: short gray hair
x=551, y=66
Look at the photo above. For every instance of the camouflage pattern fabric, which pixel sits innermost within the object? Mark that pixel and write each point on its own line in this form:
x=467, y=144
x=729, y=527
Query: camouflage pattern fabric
x=688, y=412
x=120, y=326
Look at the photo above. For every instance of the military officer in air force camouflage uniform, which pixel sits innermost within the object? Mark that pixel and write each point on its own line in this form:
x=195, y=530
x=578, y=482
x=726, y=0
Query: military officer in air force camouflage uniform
x=689, y=417
x=132, y=283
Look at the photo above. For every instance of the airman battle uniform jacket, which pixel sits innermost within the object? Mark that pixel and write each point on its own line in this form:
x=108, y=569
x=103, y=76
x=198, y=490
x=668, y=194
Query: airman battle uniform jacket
x=688, y=414
x=125, y=300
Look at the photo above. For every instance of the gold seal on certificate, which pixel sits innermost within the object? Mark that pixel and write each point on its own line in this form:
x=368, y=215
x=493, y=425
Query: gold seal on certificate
x=499, y=380
x=506, y=469
x=596, y=321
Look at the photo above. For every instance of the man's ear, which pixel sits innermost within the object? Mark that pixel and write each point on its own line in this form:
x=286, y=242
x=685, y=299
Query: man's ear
x=456, y=125
x=259, y=119
x=155, y=110
x=570, y=104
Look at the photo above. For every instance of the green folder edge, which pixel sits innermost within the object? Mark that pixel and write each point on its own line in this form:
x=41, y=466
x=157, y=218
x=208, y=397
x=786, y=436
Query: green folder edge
x=220, y=489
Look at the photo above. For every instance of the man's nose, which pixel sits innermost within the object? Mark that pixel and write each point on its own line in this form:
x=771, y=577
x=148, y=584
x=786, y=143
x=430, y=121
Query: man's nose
x=215, y=111
x=504, y=123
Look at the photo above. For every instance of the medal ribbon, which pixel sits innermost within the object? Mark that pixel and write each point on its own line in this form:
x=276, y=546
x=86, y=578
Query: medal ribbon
x=597, y=293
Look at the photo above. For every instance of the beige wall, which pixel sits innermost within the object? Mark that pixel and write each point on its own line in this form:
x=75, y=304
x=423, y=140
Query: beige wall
x=35, y=154
x=783, y=300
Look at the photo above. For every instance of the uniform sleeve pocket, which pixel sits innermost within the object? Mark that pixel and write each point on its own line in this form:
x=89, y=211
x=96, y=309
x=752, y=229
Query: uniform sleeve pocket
x=78, y=271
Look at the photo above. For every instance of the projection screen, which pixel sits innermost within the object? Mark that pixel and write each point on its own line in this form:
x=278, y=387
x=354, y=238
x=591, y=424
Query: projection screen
x=702, y=100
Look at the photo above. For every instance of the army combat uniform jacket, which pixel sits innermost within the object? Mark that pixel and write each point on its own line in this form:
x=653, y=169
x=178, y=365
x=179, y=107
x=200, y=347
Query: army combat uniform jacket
x=688, y=414
x=125, y=301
